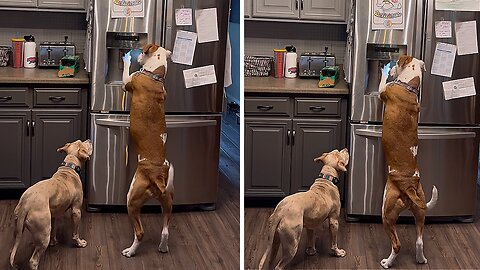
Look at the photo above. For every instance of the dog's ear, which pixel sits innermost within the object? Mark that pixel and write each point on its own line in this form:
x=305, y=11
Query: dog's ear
x=341, y=165
x=168, y=53
x=404, y=60
x=64, y=148
x=422, y=65
x=321, y=158
x=149, y=49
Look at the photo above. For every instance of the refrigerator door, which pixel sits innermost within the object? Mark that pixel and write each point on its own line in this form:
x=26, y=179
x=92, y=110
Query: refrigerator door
x=447, y=158
x=114, y=160
x=434, y=108
x=207, y=98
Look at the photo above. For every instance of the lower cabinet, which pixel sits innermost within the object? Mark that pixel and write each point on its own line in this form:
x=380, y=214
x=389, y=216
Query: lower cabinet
x=280, y=151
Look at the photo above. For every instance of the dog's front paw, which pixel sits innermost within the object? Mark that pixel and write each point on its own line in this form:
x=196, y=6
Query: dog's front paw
x=340, y=252
x=128, y=252
x=80, y=243
x=422, y=260
x=386, y=263
x=311, y=251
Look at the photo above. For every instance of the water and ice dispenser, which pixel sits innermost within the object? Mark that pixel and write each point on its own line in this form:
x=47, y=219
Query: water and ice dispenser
x=380, y=56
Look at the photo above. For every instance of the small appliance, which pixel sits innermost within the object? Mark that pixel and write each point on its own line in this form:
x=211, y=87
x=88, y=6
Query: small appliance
x=311, y=63
x=50, y=53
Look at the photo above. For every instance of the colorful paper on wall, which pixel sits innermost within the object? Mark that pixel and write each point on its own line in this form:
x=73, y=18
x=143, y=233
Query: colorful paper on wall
x=127, y=8
x=443, y=59
x=199, y=76
x=184, y=47
x=466, y=35
x=443, y=29
x=207, y=28
x=459, y=88
x=183, y=16
x=388, y=14
x=458, y=5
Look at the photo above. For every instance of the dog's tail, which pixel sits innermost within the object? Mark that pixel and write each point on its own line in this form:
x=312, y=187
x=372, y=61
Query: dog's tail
x=433, y=201
x=272, y=228
x=412, y=194
x=19, y=216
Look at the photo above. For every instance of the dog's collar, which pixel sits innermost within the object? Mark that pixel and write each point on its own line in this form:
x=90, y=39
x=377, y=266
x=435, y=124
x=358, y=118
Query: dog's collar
x=76, y=168
x=152, y=75
x=328, y=177
x=407, y=86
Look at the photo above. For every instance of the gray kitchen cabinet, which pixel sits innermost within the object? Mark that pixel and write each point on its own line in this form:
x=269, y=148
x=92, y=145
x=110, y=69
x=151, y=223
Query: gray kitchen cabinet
x=247, y=8
x=62, y=4
x=51, y=130
x=325, y=10
x=283, y=135
x=18, y=3
x=276, y=9
x=15, y=148
x=34, y=123
x=267, y=157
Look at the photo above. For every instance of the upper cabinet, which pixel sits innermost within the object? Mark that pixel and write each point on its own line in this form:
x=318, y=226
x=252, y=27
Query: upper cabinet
x=297, y=10
x=18, y=3
x=62, y=4
x=58, y=5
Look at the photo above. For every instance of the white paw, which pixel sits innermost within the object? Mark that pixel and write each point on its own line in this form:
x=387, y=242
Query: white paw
x=386, y=263
x=340, y=252
x=311, y=251
x=128, y=252
x=422, y=260
x=163, y=248
x=81, y=243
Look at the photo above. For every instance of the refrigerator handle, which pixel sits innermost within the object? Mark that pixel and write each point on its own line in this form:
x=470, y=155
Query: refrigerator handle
x=170, y=124
x=425, y=135
x=169, y=17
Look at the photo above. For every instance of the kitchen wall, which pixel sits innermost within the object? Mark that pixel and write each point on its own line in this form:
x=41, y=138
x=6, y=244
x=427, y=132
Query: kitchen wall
x=262, y=37
x=44, y=26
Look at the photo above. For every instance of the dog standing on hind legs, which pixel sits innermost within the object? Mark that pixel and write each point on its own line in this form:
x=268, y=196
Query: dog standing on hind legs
x=154, y=174
x=403, y=189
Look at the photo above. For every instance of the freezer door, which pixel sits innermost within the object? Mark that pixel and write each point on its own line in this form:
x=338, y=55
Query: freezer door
x=207, y=98
x=192, y=146
x=434, y=108
x=447, y=158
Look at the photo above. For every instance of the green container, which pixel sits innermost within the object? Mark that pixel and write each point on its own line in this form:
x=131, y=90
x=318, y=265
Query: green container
x=329, y=76
x=69, y=66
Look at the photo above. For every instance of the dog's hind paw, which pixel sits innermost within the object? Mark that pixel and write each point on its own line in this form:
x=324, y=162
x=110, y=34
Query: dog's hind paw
x=163, y=248
x=128, y=252
x=311, y=251
x=53, y=242
x=386, y=263
x=422, y=260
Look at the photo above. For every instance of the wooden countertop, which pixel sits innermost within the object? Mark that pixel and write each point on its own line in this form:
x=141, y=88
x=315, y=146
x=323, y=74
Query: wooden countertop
x=292, y=86
x=40, y=75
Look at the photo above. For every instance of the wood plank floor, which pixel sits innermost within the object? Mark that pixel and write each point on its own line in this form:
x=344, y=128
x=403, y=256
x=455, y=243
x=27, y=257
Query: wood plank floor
x=446, y=245
x=198, y=239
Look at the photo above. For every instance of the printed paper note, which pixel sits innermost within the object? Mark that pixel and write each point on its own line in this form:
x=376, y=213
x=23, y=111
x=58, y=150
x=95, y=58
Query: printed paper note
x=184, y=47
x=199, y=76
x=466, y=34
x=388, y=14
x=443, y=29
x=127, y=8
x=443, y=59
x=458, y=5
x=183, y=16
x=459, y=88
x=207, y=28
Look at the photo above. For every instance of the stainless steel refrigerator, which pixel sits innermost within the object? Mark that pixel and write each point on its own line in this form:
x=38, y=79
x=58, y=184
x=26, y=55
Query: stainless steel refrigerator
x=448, y=129
x=193, y=114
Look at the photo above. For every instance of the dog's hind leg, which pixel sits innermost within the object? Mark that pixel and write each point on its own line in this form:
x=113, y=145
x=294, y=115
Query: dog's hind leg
x=166, y=200
x=40, y=224
x=419, y=215
x=392, y=208
x=310, y=243
x=290, y=238
x=136, y=198
x=53, y=234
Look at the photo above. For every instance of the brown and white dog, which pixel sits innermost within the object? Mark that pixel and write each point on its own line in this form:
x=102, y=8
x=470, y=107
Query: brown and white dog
x=49, y=199
x=307, y=210
x=400, y=143
x=154, y=175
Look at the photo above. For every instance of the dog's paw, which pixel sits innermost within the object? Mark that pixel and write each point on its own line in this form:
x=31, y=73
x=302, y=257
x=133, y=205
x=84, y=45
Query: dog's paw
x=422, y=260
x=311, y=251
x=386, y=263
x=340, y=252
x=128, y=252
x=81, y=243
x=53, y=242
x=163, y=248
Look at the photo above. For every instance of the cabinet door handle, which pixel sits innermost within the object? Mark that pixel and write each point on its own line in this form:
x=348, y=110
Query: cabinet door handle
x=264, y=107
x=317, y=108
x=33, y=128
x=28, y=127
x=293, y=137
x=288, y=136
x=296, y=4
x=301, y=5
x=56, y=98
x=6, y=98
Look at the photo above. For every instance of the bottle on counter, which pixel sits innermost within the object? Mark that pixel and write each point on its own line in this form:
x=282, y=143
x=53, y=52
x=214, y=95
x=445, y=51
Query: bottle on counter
x=291, y=62
x=30, y=55
x=279, y=62
x=17, y=52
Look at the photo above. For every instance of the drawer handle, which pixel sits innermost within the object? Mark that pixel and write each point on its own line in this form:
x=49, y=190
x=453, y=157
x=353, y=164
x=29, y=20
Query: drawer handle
x=264, y=107
x=6, y=98
x=57, y=98
x=317, y=108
